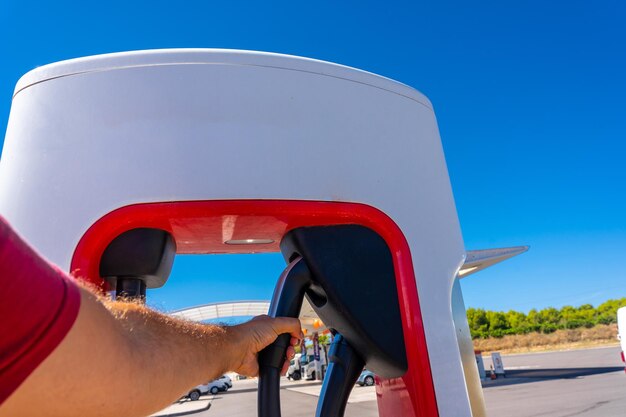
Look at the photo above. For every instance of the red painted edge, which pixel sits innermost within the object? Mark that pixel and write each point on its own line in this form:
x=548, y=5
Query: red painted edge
x=202, y=226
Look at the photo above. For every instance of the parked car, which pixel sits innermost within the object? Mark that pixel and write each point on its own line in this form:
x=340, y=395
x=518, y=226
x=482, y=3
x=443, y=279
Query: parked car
x=297, y=366
x=366, y=378
x=302, y=366
x=293, y=372
x=309, y=371
x=226, y=380
x=212, y=387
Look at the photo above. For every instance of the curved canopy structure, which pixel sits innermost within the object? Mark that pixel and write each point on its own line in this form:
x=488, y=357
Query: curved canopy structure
x=215, y=311
x=477, y=260
x=227, y=310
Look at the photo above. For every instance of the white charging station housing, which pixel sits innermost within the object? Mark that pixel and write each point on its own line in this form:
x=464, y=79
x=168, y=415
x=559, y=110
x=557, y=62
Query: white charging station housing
x=89, y=136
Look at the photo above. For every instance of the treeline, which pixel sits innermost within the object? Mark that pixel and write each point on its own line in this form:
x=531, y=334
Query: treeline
x=485, y=323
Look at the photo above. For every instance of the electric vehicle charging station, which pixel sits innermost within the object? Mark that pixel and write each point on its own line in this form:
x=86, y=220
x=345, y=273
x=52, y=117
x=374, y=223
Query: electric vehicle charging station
x=217, y=151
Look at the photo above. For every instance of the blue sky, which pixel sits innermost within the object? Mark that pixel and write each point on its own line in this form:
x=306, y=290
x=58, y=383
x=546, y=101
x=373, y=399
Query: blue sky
x=529, y=96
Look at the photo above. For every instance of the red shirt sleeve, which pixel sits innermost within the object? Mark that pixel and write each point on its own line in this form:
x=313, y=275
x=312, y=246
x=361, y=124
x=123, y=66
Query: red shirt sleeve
x=38, y=306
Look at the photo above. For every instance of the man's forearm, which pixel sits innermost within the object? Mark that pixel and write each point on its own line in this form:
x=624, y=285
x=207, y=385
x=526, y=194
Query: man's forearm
x=182, y=352
x=122, y=359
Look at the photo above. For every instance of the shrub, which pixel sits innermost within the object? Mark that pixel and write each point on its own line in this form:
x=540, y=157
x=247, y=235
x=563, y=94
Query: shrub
x=485, y=323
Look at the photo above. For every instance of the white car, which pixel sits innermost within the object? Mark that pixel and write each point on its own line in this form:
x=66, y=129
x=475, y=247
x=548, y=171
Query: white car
x=302, y=366
x=226, y=380
x=296, y=367
x=212, y=387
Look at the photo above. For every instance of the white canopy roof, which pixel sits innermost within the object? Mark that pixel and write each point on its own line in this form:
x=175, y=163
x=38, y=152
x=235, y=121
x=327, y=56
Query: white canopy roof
x=225, y=310
x=215, y=311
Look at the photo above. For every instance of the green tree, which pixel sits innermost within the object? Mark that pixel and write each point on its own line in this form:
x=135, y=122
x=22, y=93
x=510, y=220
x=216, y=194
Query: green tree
x=517, y=322
x=497, y=323
x=549, y=315
x=484, y=323
x=478, y=323
x=533, y=320
x=323, y=339
x=607, y=312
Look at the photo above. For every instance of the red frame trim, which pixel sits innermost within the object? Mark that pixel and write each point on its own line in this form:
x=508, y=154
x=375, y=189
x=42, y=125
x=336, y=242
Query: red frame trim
x=203, y=226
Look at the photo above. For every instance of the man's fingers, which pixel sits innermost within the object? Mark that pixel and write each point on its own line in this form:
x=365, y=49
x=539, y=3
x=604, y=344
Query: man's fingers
x=288, y=325
x=291, y=352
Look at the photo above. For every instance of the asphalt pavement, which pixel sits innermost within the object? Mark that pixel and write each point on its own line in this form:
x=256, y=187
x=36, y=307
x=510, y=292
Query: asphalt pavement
x=580, y=383
x=577, y=383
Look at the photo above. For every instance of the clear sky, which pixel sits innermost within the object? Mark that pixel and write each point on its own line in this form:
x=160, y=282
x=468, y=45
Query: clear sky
x=529, y=96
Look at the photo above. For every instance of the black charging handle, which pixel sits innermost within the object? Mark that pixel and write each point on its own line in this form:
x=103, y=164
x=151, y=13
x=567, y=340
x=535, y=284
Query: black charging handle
x=286, y=302
x=344, y=367
x=349, y=280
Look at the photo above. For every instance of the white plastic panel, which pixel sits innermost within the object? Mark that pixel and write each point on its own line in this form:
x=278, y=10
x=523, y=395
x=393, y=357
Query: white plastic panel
x=235, y=126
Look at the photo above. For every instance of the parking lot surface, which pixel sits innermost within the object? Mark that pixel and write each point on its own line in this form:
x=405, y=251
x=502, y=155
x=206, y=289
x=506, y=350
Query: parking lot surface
x=578, y=383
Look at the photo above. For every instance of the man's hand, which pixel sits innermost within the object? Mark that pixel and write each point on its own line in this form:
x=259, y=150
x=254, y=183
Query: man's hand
x=259, y=333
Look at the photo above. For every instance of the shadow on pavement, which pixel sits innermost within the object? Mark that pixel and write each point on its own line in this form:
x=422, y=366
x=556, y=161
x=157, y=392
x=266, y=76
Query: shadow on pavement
x=522, y=376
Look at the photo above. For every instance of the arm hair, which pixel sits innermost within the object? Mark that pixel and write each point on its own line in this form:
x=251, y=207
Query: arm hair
x=123, y=359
